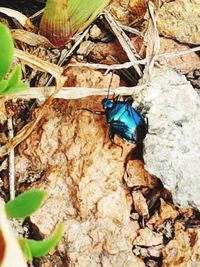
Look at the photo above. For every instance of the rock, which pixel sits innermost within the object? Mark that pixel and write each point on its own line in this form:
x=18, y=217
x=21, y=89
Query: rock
x=172, y=146
x=180, y=20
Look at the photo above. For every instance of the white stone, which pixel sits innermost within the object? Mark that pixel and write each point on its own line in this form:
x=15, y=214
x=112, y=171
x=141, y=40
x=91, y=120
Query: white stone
x=172, y=147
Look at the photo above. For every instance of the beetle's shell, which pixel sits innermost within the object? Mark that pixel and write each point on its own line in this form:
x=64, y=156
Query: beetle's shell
x=125, y=121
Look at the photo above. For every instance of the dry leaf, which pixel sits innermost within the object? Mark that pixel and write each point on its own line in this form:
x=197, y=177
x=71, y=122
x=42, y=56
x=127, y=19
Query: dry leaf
x=30, y=38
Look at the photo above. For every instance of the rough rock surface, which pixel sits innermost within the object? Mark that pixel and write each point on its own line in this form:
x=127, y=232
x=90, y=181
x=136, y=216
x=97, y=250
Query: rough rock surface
x=172, y=145
x=180, y=20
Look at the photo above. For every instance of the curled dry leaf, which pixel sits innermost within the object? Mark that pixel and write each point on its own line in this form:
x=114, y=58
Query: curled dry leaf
x=10, y=251
x=23, y=20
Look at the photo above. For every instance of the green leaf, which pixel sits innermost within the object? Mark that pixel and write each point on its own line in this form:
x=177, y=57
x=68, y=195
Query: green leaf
x=15, y=77
x=25, y=204
x=40, y=248
x=3, y=85
x=63, y=18
x=83, y=12
x=6, y=50
x=14, y=83
x=26, y=249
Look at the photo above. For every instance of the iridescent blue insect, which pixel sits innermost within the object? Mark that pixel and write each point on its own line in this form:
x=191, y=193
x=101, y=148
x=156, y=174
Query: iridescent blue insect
x=124, y=120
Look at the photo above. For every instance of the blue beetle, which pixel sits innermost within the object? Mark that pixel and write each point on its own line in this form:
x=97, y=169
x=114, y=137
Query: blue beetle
x=124, y=120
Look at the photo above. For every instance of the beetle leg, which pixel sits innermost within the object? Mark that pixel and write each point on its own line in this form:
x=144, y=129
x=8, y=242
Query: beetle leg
x=129, y=100
x=111, y=136
x=147, y=124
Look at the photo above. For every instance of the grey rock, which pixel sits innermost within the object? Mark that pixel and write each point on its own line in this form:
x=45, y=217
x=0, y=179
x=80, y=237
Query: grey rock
x=172, y=147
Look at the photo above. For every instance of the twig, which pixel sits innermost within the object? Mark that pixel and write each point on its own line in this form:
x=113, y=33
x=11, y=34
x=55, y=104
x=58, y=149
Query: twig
x=11, y=161
x=21, y=18
x=127, y=65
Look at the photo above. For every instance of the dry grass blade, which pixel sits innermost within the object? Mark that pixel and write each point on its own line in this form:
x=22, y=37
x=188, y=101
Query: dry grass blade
x=179, y=53
x=124, y=41
x=125, y=65
x=152, y=40
x=11, y=161
x=23, y=20
x=72, y=92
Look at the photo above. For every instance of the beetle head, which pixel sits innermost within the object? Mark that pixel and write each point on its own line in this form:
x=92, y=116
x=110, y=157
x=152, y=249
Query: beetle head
x=107, y=103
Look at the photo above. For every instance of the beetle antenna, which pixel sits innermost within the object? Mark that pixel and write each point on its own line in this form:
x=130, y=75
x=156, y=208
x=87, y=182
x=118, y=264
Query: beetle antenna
x=111, y=80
